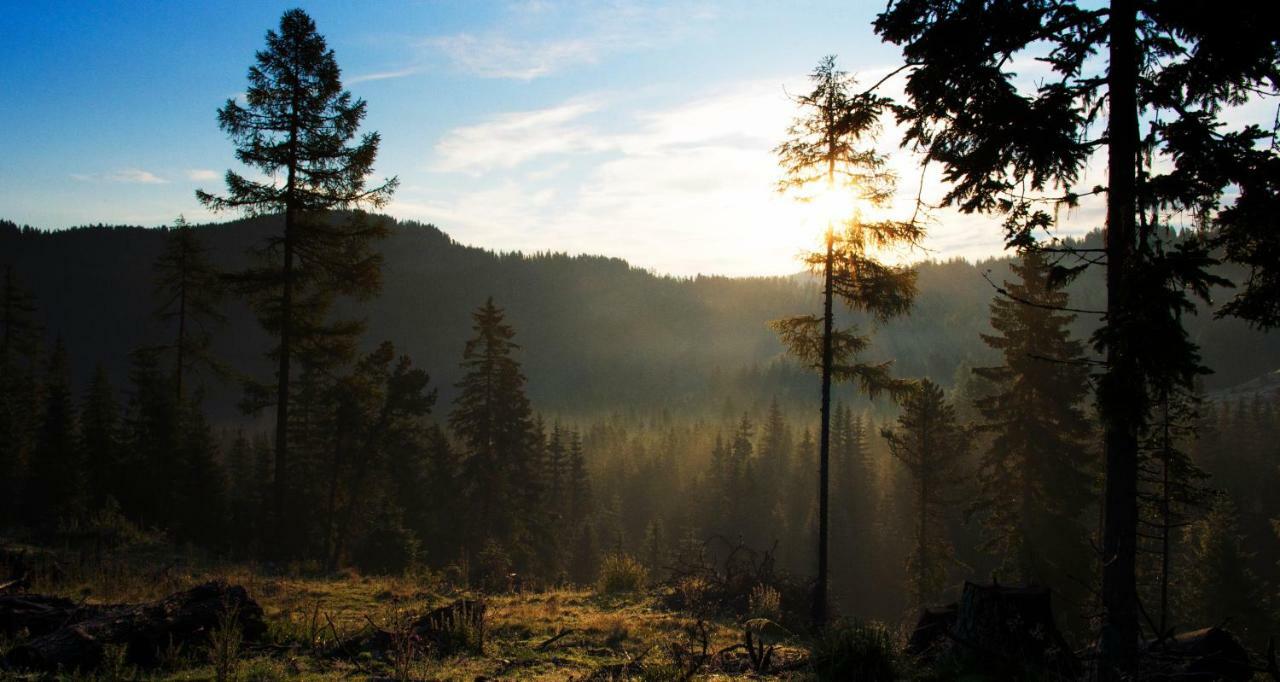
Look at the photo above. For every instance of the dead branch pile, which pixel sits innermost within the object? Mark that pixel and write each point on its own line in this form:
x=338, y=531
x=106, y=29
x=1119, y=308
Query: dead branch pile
x=69, y=636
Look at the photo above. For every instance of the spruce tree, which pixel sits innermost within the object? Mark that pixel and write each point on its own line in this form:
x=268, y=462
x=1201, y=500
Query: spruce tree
x=493, y=419
x=1220, y=587
x=1173, y=491
x=829, y=153
x=579, y=482
x=20, y=350
x=1168, y=74
x=931, y=446
x=55, y=491
x=1036, y=477
x=298, y=122
x=775, y=449
x=100, y=441
x=190, y=291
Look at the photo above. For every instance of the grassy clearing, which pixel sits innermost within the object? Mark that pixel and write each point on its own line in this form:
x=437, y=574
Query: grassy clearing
x=551, y=635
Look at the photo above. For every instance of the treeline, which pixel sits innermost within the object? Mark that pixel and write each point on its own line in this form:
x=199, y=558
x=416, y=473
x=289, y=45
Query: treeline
x=600, y=336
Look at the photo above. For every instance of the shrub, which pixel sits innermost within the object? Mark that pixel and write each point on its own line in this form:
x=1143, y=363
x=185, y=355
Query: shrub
x=855, y=651
x=388, y=547
x=764, y=601
x=493, y=565
x=621, y=573
x=224, y=644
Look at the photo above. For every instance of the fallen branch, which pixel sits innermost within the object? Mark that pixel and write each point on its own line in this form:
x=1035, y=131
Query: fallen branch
x=553, y=639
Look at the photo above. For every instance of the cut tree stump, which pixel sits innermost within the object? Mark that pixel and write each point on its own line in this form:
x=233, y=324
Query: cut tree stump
x=1200, y=655
x=458, y=626
x=79, y=640
x=1006, y=628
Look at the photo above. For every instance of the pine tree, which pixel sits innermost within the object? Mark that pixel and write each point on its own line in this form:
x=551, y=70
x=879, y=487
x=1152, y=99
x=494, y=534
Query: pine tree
x=930, y=445
x=199, y=476
x=100, y=442
x=20, y=346
x=1173, y=491
x=557, y=465
x=775, y=448
x=55, y=491
x=298, y=122
x=151, y=434
x=1036, y=477
x=1219, y=585
x=240, y=494
x=190, y=290
x=823, y=156
x=1007, y=148
x=381, y=405
x=579, y=482
x=494, y=421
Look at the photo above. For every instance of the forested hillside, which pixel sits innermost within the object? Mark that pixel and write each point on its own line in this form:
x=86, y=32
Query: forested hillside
x=597, y=335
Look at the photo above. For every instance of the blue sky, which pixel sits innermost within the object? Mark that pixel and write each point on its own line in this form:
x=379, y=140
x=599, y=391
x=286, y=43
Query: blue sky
x=633, y=129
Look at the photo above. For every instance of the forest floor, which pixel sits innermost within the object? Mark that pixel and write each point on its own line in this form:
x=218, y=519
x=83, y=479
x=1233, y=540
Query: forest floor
x=601, y=637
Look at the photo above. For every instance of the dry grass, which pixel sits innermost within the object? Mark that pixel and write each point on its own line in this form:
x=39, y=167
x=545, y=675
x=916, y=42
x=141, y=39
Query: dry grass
x=307, y=613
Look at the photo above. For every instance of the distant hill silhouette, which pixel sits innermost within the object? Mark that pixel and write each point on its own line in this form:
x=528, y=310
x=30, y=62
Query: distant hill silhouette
x=597, y=334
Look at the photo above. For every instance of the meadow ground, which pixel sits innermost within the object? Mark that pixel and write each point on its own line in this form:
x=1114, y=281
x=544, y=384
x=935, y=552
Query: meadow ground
x=556, y=634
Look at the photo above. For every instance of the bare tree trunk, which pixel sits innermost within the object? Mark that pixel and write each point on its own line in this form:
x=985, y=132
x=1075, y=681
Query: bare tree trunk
x=824, y=448
x=1120, y=393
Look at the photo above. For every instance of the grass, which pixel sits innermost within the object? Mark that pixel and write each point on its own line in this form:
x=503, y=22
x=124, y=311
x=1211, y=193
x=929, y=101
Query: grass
x=306, y=613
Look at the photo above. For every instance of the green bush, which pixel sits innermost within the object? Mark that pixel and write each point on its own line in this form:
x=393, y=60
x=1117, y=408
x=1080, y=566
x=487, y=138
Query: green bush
x=388, y=547
x=855, y=651
x=621, y=573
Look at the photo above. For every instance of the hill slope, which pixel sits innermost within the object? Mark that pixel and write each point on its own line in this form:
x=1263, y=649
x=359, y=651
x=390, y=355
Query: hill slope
x=597, y=334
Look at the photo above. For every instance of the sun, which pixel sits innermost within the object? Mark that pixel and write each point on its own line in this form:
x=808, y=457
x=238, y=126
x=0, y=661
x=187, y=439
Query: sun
x=830, y=206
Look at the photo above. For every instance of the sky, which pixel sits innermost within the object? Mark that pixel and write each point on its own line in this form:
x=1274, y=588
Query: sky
x=642, y=130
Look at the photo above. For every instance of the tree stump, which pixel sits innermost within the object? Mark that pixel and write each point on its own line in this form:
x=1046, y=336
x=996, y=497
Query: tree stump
x=145, y=630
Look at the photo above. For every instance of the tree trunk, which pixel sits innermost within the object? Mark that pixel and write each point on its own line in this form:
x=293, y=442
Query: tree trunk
x=1121, y=393
x=824, y=448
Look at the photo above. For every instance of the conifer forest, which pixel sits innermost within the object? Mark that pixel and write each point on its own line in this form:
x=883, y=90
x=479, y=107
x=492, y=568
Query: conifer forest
x=946, y=352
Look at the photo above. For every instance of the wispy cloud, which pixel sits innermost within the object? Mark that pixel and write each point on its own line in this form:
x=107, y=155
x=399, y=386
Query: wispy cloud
x=538, y=38
x=384, y=75
x=202, y=175
x=496, y=56
x=511, y=139
x=683, y=188
x=125, y=175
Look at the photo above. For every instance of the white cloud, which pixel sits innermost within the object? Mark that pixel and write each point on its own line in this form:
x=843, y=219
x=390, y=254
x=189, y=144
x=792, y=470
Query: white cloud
x=125, y=175
x=511, y=139
x=682, y=188
x=496, y=56
x=538, y=38
x=384, y=75
x=202, y=175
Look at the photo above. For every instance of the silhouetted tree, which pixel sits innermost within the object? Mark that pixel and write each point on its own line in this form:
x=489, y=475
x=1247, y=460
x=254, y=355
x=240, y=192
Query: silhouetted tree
x=1173, y=491
x=190, y=290
x=493, y=419
x=298, y=122
x=100, y=441
x=829, y=152
x=1037, y=476
x=579, y=482
x=20, y=350
x=1219, y=585
x=931, y=446
x=1170, y=68
x=55, y=491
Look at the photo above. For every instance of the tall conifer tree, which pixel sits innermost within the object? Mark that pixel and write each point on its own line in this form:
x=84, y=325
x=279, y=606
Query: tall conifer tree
x=298, y=122
x=829, y=156
x=1037, y=476
x=1169, y=72
x=190, y=290
x=492, y=417
x=931, y=445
